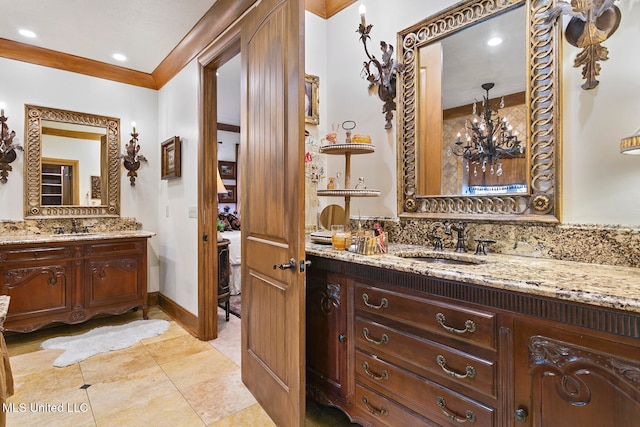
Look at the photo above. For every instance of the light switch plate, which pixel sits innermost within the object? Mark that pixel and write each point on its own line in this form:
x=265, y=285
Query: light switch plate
x=193, y=212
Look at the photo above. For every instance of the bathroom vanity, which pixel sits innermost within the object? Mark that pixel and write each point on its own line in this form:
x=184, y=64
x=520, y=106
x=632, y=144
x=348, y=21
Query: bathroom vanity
x=477, y=340
x=72, y=278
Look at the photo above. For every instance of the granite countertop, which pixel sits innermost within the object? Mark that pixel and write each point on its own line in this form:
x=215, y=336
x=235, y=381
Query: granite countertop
x=69, y=237
x=595, y=284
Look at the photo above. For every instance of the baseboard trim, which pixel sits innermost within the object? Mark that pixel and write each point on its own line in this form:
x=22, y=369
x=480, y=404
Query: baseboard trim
x=186, y=319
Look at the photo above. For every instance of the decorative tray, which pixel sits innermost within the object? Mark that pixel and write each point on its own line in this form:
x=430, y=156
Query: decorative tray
x=323, y=236
x=360, y=148
x=349, y=193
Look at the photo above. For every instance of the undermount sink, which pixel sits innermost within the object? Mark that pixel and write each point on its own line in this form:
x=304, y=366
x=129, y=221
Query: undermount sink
x=443, y=258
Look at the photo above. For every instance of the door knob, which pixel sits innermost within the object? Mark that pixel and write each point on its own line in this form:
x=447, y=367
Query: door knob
x=290, y=264
x=521, y=415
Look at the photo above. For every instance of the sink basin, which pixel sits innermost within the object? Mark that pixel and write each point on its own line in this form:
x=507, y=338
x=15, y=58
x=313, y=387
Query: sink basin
x=451, y=258
x=436, y=260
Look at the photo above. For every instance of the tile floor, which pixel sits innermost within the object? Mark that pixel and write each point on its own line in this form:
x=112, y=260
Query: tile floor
x=171, y=380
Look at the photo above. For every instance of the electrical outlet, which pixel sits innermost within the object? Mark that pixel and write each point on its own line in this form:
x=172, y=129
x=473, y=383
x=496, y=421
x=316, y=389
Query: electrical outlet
x=166, y=211
x=193, y=212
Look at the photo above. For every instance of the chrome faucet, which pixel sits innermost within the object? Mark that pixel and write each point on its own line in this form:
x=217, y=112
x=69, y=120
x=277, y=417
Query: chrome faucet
x=74, y=225
x=458, y=227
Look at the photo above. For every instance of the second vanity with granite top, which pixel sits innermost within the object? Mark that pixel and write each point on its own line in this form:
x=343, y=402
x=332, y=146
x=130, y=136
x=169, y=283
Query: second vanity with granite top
x=70, y=278
x=420, y=337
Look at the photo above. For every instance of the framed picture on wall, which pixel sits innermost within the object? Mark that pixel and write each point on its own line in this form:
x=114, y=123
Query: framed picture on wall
x=227, y=169
x=311, y=99
x=170, y=158
x=229, y=196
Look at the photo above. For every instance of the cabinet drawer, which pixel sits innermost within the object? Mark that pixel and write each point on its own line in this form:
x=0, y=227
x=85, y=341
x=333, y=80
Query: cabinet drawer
x=380, y=411
x=36, y=253
x=454, y=321
x=115, y=247
x=419, y=394
x=426, y=355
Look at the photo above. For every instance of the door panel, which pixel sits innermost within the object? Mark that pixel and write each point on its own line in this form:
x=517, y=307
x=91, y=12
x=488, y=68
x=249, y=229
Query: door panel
x=273, y=208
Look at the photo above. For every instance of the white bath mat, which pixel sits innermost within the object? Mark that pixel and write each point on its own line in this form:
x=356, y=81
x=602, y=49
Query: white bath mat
x=102, y=340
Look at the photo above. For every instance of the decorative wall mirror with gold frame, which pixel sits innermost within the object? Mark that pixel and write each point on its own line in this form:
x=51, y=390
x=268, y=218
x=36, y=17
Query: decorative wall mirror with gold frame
x=43, y=121
x=540, y=202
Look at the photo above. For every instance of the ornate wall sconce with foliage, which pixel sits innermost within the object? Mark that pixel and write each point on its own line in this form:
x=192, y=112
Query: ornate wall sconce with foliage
x=380, y=74
x=592, y=22
x=132, y=158
x=7, y=147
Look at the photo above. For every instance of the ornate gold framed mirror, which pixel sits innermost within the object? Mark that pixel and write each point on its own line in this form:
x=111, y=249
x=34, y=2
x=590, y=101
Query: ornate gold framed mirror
x=71, y=164
x=429, y=154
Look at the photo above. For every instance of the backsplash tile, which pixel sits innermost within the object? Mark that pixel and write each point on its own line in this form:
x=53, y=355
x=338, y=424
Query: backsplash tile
x=600, y=244
x=47, y=226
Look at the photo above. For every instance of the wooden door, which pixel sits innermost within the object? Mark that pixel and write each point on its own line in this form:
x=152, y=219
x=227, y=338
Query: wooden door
x=272, y=135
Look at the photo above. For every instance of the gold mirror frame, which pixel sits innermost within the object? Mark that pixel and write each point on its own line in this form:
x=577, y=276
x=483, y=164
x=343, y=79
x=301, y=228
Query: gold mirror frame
x=542, y=203
x=33, y=207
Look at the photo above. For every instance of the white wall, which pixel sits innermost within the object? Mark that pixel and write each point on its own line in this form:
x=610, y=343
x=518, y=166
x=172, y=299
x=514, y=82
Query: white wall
x=24, y=83
x=177, y=232
x=600, y=186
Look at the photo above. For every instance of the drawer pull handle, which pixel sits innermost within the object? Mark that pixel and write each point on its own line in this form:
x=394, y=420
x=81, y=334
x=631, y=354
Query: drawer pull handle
x=469, y=325
x=383, y=340
x=384, y=303
x=470, y=371
x=382, y=376
x=469, y=415
x=374, y=411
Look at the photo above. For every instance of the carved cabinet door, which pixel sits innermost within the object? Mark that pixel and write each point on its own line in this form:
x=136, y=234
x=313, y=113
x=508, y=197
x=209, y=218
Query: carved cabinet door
x=327, y=337
x=564, y=377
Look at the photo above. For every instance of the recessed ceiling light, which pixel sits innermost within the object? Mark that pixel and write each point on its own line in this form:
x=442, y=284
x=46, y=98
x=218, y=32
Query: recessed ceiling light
x=494, y=41
x=119, y=57
x=27, y=33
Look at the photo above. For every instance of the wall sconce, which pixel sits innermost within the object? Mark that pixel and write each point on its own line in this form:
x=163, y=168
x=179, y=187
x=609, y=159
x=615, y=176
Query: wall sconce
x=383, y=75
x=631, y=144
x=592, y=23
x=7, y=147
x=131, y=158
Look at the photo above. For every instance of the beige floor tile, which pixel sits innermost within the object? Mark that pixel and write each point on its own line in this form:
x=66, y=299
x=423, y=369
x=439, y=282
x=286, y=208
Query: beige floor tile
x=253, y=416
x=31, y=363
x=174, y=331
x=41, y=384
x=204, y=366
x=220, y=397
x=137, y=389
x=176, y=348
x=116, y=365
x=170, y=410
x=56, y=410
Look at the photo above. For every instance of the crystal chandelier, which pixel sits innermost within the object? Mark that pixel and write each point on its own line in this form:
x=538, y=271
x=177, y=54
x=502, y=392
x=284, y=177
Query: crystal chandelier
x=487, y=138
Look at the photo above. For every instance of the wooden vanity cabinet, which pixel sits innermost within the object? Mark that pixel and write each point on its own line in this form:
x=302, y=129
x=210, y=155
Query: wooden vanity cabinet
x=329, y=341
x=69, y=282
x=581, y=377
x=422, y=351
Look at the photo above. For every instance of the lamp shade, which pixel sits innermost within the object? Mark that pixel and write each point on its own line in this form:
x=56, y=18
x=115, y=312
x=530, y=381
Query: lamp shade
x=219, y=185
x=631, y=144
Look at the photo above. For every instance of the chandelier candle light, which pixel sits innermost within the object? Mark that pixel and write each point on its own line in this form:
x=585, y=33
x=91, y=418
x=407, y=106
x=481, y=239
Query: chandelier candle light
x=7, y=147
x=487, y=138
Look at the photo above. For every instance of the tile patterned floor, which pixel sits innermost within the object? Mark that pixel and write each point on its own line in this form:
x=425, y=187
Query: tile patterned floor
x=171, y=380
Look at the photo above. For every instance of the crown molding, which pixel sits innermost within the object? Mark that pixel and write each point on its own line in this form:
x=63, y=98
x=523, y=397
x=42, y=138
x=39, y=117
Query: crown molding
x=217, y=19
x=63, y=61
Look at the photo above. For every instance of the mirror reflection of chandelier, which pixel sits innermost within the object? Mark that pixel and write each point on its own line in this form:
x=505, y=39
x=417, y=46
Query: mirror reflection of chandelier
x=487, y=138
